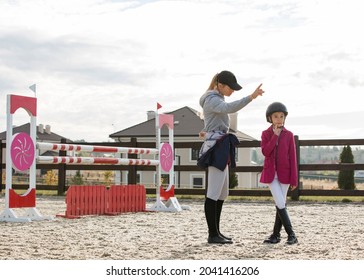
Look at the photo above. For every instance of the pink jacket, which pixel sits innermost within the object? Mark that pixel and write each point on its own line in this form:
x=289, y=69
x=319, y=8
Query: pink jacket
x=280, y=156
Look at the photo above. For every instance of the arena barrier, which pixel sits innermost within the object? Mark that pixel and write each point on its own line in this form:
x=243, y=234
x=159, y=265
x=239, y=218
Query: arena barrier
x=21, y=151
x=100, y=200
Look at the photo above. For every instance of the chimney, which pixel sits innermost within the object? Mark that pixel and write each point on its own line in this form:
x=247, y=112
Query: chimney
x=150, y=115
x=40, y=128
x=48, y=129
x=233, y=121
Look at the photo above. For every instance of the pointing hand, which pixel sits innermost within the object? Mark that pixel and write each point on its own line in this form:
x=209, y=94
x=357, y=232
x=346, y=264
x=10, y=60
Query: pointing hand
x=258, y=92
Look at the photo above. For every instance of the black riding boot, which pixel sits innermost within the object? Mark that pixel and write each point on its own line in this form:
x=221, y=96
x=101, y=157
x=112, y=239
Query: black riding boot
x=283, y=214
x=210, y=214
x=275, y=237
x=219, y=204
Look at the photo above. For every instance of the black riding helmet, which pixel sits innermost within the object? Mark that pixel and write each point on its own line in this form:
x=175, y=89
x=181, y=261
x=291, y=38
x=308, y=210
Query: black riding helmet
x=275, y=107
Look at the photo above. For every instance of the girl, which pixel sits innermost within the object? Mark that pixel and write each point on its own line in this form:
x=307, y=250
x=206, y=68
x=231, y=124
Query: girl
x=218, y=149
x=280, y=168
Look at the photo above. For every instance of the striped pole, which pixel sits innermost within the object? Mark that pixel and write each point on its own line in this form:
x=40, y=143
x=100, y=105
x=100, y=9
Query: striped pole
x=96, y=149
x=95, y=160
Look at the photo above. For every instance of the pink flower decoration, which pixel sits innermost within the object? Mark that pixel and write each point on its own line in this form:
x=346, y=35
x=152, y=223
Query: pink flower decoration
x=166, y=157
x=22, y=151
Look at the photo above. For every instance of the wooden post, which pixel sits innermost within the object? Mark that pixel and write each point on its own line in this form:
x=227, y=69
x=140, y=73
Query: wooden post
x=132, y=174
x=62, y=172
x=295, y=194
x=1, y=164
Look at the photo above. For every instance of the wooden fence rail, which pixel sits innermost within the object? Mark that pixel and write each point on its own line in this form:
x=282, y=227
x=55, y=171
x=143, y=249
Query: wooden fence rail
x=241, y=191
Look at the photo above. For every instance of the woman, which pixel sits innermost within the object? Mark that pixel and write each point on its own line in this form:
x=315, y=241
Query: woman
x=217, y=152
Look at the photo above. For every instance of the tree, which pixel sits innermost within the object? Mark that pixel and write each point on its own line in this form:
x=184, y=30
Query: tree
x=51, y=177
x=77, y=179
x=233, y=180
x=346, y=177
x=107, y=177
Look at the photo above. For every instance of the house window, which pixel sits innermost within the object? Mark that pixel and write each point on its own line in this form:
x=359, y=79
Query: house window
x=194, y=153
x=197, y=181
x=236, y=154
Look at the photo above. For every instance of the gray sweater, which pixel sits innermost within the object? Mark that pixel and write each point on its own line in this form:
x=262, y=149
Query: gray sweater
x=216, y=110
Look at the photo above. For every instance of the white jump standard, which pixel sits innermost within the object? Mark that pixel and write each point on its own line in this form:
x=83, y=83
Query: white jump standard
x=20, y=154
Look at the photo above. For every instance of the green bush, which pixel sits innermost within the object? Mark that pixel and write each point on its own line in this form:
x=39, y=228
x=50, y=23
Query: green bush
x=346, y=177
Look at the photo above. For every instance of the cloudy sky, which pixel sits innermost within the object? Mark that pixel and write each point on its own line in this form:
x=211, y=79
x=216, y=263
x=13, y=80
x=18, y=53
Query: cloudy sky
x=100, y=65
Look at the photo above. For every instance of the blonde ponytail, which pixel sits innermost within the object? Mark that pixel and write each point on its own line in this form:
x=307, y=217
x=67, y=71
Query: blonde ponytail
x=213, y=82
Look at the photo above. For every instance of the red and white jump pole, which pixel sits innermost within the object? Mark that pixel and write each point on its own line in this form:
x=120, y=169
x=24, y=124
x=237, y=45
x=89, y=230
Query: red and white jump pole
x=95, y=149
x=95, y=160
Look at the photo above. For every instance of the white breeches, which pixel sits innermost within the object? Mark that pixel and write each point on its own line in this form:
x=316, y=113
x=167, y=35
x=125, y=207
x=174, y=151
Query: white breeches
x=218, y=183
x=279, y=193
